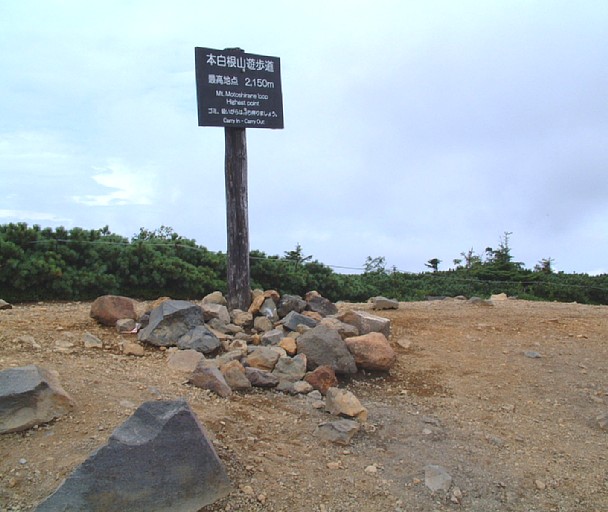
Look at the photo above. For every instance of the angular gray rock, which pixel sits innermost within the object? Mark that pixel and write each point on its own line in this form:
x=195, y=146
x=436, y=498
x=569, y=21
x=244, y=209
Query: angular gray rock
x=160, y=459
x=201, y=339
x=91, y=341
x=170, y=321
x=261, y=378
x=366, y=322
x=269, y=310
x=293, y=319
x=339, y=431
x=213, y=310
x=384, y=303
x=30, y=395
x=273, y=337
x=325, y=347
x=320, y=305
x=437, y=478
x=291, y=368
x=345, y=330
x=207, y=376
x=289, y=303
x=124, y=325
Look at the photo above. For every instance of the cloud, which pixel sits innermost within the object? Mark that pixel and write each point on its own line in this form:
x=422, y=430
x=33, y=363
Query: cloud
x=28, y=215
x=133, y=186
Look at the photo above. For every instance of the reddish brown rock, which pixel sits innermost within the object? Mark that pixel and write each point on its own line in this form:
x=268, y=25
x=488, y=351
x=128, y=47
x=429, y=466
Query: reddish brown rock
x=372, y=351
x=234, y=373
x=107, y=309
x=314, y=315
x=256, y=304
x=272, y=294
x=322, y=378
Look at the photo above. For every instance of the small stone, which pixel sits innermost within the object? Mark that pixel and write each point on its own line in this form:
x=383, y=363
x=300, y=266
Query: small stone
x=341, y=402
x=289, y=345
x=124, y=325
x=540, y=485
x=371, y=470
x=132, y=349
x=22, y=461
x=247, y=490
x=29, y=342
x=334, y=465
x=302, y=387
x=456, y=495
x=532, y=354
x=437, y=478
x=315, y=395
x=405, y=344
x=91, y=341
x=64, y=345
x=262, y=498
x=601, y=421
x=339, y=432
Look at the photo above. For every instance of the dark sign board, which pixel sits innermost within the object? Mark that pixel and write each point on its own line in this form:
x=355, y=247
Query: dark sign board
x=237, y=89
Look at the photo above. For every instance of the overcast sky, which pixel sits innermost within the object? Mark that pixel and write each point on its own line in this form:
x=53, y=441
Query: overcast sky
x=413, y=129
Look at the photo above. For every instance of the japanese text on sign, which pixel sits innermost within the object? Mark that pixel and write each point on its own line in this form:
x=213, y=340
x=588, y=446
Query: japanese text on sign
x=237, y=89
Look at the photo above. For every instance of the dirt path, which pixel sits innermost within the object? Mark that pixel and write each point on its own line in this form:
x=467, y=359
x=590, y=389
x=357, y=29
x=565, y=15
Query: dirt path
x=516, y=433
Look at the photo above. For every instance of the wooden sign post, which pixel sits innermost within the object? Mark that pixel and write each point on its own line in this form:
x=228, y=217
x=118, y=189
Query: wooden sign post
x=239, y=293
x=237, y=90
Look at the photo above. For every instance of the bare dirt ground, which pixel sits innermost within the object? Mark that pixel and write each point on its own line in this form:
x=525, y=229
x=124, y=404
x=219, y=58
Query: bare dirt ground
x=515, y=433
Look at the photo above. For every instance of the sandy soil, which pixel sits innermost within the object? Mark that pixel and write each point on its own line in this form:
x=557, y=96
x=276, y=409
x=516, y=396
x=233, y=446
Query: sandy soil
x=516, y=433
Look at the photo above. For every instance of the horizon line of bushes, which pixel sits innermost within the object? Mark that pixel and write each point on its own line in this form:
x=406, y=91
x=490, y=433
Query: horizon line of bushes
x=78, y=264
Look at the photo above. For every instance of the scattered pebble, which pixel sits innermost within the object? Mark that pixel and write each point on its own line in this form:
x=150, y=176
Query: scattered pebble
x=371, y=470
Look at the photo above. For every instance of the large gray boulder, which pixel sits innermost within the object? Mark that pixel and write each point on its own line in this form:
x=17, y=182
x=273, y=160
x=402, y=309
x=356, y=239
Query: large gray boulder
x=325, y=347
x=315, y=302
x=289, y=303
x=201, y=339
x=30, y=395
x=293, y=319
x=160, y=459
x=170, y=321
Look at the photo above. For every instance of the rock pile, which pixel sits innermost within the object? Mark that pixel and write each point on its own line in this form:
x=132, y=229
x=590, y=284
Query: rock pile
x=286, y=342
x=292, y=344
